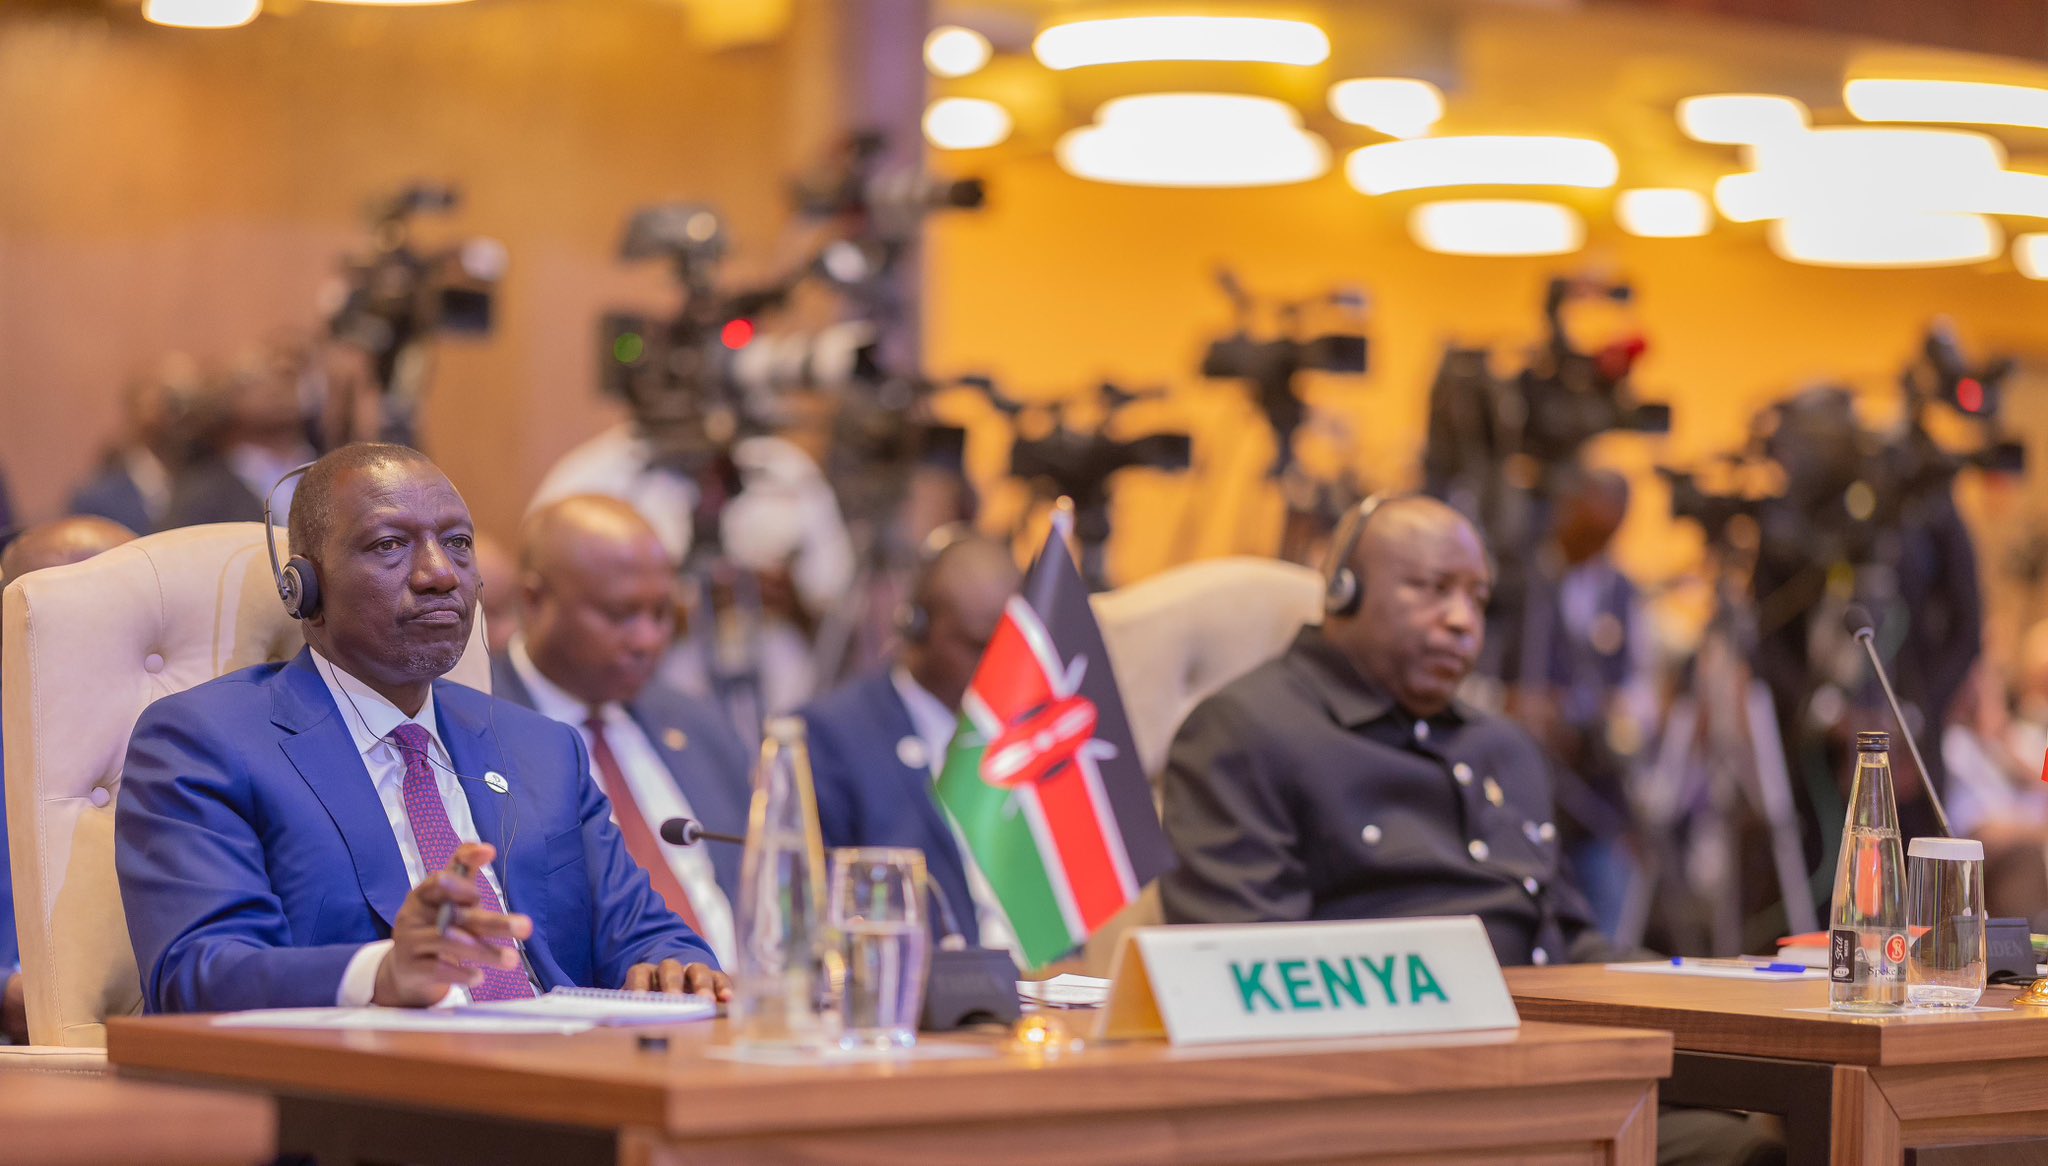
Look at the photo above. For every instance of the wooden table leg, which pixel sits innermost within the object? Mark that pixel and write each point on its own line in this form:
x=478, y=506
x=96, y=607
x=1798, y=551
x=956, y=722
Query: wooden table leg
x=1636, y=1144
x=1866, y=1128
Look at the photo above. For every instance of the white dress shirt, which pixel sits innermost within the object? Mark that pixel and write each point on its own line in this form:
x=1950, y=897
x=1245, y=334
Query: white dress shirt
x=653, y=789
x=370, y=720
x=934, y=723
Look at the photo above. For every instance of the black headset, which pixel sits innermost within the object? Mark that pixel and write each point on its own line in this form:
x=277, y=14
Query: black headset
x=913, y=622
x=1343, y=587
x=298, y=581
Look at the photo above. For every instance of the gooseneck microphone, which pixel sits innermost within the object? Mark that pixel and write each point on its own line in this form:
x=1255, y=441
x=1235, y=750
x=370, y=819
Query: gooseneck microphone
x=1859, y=624
x=689, y=832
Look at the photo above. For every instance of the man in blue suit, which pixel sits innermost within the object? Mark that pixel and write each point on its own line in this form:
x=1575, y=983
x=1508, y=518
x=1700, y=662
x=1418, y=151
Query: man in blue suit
x=597, y=611
x=877, y=743
x=271, y=821
x=52, y=544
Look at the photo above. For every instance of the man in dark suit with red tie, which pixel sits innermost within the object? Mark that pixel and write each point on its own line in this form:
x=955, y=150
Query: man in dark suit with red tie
x=597, y=611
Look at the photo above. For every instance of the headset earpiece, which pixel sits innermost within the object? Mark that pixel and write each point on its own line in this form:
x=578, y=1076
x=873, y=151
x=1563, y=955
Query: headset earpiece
x=912, y=622
x=298, y=581
x=1343, y=588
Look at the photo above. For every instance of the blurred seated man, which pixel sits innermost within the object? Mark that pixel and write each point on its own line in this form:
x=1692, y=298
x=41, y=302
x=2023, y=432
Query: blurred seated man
x=498, y=577
x=879, y=742
x=133, y=485
x=597, y=604
x=1995, y=795
x=264, y=439
x=288, y=834
x=1344, y=780
x=53, y=544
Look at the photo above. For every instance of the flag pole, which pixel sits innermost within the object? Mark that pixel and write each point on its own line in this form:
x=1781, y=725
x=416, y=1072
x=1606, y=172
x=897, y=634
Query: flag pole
x=1063, y=524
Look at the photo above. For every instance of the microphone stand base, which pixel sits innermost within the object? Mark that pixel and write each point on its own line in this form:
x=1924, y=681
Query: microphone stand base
x=2036, y=995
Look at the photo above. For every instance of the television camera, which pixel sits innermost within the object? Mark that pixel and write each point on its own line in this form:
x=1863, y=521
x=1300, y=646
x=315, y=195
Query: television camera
x=1062, y=460
x=393, y=297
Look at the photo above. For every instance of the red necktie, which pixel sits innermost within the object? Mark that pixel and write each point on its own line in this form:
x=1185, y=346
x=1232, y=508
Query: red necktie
x=640, y=841
x=435, y=837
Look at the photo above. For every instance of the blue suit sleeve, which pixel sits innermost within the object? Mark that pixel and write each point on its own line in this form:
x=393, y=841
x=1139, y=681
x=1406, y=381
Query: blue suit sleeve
x=208, y=933
x=634, y=926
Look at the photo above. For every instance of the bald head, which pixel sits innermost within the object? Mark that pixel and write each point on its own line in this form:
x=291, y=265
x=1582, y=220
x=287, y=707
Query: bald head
x=55, y=544
x=58, y=543
x=597, y=600
x=1421, y=622
x=962, y=589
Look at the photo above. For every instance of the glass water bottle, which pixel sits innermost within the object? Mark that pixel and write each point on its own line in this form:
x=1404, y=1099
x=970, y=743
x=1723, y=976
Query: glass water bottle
x=782, y=991
x=1867, y=927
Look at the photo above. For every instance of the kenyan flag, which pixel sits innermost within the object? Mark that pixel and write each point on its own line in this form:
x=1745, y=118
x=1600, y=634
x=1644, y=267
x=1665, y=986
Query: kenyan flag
x=1042, y=777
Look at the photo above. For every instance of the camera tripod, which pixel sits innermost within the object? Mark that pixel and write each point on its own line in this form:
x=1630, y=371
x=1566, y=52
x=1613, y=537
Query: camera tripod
x=1718, y=751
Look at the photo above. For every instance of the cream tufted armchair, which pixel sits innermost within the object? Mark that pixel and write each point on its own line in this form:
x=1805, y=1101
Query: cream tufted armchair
x=1176, y=638
x=85, y=649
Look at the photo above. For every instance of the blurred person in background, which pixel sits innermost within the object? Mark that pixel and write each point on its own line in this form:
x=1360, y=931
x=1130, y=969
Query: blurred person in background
x=780, y=536
x=596, y=597
x=52, y=544
x=262, y=436
x=133, y=483
x=1588, y=686
x=1995, y=795
x=499, y=597
x=878, y=742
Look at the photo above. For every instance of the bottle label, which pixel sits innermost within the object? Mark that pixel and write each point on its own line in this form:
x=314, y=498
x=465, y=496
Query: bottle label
x=1842, y=956
x=1895, y=949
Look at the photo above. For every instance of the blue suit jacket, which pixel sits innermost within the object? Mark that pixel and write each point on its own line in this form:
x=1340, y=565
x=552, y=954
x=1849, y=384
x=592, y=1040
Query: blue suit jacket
x=704, y=757
x=255, y=857
x=111, y=493
x=867, y=796
x=10, y=943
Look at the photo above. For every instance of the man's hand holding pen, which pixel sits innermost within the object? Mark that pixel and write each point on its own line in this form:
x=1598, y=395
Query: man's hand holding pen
x=439, y=935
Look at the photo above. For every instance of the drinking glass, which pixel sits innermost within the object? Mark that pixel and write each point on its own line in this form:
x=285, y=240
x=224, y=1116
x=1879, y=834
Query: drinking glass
x=877, y=901
x=1945, y=918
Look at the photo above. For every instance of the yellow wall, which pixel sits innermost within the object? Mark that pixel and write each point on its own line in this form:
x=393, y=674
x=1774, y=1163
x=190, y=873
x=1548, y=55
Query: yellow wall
x=168, y=189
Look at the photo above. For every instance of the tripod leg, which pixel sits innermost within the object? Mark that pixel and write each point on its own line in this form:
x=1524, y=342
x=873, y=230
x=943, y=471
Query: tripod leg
x=1774, y=789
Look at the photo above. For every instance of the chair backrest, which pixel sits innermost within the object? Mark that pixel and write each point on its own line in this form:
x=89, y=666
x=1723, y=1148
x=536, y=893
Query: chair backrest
x=85, y=649
x=1178, y=636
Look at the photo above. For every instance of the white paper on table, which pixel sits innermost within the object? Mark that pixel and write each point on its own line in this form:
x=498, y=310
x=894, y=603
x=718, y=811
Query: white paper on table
x=1066, y=991
x=834, y=1055
x=1717, y=972
x=400, y=1020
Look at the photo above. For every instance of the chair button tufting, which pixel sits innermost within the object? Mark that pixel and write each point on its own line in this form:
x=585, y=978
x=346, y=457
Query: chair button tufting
x=153, y=663
x=101, y=795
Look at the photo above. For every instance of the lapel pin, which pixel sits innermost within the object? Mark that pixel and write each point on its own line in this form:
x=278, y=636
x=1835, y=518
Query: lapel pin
x=911, y=752
x=497, y=782
x=675, y=740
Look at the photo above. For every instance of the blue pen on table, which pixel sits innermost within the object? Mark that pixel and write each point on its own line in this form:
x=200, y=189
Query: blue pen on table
x=1679, y=961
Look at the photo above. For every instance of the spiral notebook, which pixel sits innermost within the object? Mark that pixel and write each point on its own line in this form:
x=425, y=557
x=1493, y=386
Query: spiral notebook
x=603, y=1006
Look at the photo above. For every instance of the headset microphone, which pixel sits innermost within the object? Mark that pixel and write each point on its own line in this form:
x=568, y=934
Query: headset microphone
x=1859, y=624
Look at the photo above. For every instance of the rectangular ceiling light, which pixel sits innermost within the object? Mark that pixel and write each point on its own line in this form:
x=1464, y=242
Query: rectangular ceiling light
x=1497, y=227
x=1481, y=161
x=1963, y=102
x=1181, y=38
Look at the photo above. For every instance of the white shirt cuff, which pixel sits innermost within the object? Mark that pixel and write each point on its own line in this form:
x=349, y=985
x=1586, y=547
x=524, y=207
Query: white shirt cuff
x=359, y=979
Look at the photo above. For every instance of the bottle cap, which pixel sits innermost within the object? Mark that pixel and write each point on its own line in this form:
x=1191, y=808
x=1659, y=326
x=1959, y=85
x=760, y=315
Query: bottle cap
x=1947, y=849
x=1865, y=742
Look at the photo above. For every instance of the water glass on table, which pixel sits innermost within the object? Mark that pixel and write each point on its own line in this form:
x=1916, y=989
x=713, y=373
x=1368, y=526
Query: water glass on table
x=1945, y=918
x=877, y=899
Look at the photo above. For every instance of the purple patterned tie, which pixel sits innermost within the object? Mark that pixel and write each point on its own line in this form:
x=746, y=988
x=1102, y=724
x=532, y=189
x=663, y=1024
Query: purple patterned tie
x=437, y=842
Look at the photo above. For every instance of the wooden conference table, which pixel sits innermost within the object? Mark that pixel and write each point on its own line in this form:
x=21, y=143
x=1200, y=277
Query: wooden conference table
x=1548, y=1093
x=54, y=1119
x=1851, y=1089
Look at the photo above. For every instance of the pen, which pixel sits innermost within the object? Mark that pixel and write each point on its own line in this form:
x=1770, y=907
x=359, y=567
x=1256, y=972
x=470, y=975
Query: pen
x=1679, y=961
x=446, y=914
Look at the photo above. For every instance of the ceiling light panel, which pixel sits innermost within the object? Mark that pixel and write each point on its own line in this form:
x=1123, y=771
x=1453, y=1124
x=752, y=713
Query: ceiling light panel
x=1426, y=163
x=1181, y=38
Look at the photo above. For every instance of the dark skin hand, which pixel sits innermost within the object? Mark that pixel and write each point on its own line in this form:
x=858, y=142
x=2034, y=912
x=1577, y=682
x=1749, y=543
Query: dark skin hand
x=680, y=979
x=14, y=1011
x=423, y=961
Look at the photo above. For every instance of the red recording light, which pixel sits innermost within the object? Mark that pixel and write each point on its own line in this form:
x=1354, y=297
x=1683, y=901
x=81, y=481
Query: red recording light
x=1970, y=395
x=736, y=334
